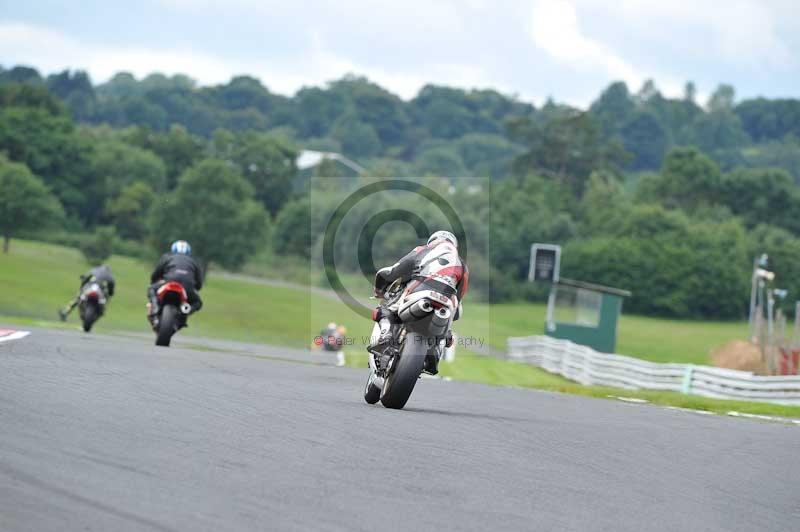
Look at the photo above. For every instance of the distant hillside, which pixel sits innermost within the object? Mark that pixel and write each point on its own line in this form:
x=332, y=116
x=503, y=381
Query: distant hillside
x=441, y=130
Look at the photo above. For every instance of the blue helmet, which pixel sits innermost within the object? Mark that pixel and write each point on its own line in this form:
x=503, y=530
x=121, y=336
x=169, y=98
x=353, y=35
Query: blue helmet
x=182, y=247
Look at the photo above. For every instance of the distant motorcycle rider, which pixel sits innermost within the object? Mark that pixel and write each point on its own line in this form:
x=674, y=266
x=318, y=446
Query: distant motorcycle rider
x=435, y=266
x=179, y=266
x=99, y=274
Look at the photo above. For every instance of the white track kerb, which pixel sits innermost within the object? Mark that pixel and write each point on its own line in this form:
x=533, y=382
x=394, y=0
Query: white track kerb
x=8, y=334
x=587, y=366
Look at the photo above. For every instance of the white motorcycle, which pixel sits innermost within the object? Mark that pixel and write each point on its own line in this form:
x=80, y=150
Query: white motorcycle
x=423, y=324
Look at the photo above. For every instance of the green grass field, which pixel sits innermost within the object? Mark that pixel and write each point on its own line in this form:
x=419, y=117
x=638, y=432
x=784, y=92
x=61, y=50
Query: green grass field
x=39, y=278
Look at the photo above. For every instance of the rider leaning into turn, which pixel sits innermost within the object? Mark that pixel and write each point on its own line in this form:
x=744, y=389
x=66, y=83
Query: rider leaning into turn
x=435, y=266
x=179, y=266
x=101, y=275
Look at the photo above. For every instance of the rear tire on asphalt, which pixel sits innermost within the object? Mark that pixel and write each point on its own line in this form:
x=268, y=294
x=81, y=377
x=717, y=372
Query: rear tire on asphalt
x=406, y=369
x=167, y=325
x=90, y=315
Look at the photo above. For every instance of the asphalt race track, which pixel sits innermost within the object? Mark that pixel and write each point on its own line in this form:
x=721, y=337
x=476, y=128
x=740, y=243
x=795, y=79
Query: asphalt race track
x=109, y=433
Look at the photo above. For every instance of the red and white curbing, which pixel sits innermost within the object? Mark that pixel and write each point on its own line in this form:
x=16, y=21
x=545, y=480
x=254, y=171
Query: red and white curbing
x=10, y=334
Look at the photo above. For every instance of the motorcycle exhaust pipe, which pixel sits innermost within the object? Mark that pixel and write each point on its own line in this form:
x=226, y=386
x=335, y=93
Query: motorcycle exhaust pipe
x=186, y=308
x=440, y=320
x=416, y=311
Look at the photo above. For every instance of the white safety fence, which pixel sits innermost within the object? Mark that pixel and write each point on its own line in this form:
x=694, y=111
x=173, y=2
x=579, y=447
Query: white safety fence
x=587, y=366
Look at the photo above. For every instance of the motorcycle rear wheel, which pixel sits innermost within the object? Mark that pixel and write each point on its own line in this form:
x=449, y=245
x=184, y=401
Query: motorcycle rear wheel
x=406, y=369
x=90, y=315
x=167, y=325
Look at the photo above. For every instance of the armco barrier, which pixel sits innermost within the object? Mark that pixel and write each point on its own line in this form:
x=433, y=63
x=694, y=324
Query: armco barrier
x=587, y=366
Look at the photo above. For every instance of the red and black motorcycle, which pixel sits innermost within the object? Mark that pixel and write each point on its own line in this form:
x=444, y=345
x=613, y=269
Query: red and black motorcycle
x=174, y=309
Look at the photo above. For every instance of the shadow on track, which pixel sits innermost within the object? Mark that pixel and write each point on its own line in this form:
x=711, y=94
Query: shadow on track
x=468, y=415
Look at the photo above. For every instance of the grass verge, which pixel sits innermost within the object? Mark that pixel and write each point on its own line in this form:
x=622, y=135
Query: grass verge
x=39, y=278
x=488, y=370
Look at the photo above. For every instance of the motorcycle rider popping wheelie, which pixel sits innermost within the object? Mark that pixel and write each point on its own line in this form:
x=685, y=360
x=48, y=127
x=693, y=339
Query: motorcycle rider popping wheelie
x=422, y=296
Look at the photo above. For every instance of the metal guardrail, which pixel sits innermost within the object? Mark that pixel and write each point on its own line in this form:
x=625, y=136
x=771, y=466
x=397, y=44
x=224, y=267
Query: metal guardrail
x=587, y=366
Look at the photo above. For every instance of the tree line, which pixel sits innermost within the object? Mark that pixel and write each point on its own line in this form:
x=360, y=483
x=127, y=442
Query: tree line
x=660, y=196
x=441, y=130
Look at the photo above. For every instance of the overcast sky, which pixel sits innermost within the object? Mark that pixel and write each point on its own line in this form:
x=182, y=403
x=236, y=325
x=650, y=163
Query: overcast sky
x=568, y=49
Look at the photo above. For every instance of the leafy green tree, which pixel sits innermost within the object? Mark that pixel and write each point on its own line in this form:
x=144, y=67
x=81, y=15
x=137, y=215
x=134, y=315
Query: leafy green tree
x=527, y=210
x=268, y=163
x=128, y=210
x=567, y=148
x=25, y=201
x=688, y=179
x=99, y=247
x=784, y=154
x=317, y=109
x=177, y=148
x=673, y=266
x=762, y=196
x=375, y=107
x=34, y=96
x=765, y=119
x=689, y=92
x=77, y=92
x=115, y=165
x=722, y=99
x=613, y=108
x=121, y=85
x=440, y=161
x=487, y=154
x=329, y=167
x=21, y=74
x=358, y=140
x=604, y=206
x=292, y=233
x=449, y=113
x=214, y=208
x=242, y=92
x=646, y=139
x=49, y=145
x=718, y=130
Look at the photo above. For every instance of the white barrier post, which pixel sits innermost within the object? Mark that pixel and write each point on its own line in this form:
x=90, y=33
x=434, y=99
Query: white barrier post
x=686, y=386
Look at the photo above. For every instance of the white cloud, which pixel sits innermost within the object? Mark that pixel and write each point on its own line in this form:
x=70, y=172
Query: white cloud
x=51, y=51
x=570, y=49
x=555, y=30
x=741, y=32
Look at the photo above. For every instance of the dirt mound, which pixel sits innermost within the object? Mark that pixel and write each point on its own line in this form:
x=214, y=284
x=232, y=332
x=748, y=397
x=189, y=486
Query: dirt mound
x=739, y=354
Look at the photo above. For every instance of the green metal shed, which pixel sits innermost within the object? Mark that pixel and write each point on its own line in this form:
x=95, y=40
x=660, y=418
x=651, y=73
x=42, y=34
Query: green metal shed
x=584, y=313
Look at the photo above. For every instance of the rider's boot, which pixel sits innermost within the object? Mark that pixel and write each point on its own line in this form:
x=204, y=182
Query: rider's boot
x=432, y=359
x=431, y=364
x=382, y=332
x=152, y=314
